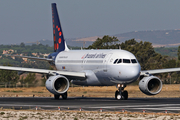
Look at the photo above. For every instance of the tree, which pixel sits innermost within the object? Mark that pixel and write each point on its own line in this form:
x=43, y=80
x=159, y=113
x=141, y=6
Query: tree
x=30, y=79
x=143, y=51
x=106, y=42
x=22, y=45
x=145, y=54
x=8, y=77
x=178, y=53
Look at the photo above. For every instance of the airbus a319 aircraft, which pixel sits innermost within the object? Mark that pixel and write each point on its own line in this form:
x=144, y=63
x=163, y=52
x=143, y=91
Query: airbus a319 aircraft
x=92, y=68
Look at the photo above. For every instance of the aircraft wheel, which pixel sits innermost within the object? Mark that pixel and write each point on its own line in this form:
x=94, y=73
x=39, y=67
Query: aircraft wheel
x=117, y=95
x=64, y=96
x=125, y=95
x=56, y=97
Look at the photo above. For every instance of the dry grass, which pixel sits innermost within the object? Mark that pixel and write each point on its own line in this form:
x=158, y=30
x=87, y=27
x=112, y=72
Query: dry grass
x=167, y=91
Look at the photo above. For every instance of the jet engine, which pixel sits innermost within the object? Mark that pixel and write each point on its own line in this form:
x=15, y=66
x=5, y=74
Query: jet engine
x=150, y=85
x=57, y=84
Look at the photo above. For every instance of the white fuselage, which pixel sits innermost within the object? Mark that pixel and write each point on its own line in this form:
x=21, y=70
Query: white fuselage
x=102, y=67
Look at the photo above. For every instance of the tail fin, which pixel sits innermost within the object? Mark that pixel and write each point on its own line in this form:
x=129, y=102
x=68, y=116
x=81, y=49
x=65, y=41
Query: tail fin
x=59, y=42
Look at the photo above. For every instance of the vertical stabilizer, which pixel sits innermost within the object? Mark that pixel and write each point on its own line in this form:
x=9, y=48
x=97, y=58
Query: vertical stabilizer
x=59, y=42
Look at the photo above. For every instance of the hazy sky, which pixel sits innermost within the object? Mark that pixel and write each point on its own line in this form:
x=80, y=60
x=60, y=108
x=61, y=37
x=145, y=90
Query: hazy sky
x=30, y=20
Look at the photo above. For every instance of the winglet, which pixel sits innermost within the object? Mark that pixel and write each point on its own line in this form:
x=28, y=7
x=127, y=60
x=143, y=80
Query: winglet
x=59, y=42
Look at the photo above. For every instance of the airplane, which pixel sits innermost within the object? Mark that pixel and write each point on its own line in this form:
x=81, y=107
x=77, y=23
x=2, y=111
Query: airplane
x=92, y=68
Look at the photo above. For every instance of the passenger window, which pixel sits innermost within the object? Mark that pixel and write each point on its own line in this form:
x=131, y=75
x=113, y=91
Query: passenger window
x=115, y=61
x=133, y=61
x=119, y=61
x=126, y=61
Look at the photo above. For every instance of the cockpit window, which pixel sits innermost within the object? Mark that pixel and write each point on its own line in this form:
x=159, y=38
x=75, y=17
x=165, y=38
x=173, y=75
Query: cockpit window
x=133, y=61
x=126, y=61
x=119, y=61
x=115, y=61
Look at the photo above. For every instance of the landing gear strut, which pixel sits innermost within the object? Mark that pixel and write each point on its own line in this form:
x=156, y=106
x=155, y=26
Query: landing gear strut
x=64, y=96
x=121, y=94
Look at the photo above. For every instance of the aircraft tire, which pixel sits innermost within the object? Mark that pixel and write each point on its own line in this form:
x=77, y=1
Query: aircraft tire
x=125, y=95
x=116, y=93
x=118, y=96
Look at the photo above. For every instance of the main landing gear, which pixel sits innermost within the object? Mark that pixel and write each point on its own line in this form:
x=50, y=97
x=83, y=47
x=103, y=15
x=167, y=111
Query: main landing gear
x=121, y=94
x=64, y=96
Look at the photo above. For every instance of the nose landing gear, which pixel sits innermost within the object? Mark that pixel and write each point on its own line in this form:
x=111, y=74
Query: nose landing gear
x=121, y=94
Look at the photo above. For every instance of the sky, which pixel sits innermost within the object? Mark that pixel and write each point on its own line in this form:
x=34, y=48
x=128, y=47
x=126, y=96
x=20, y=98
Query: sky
x=31, y=20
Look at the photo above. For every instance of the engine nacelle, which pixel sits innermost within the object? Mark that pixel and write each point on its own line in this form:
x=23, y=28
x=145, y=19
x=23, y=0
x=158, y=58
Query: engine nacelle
x=57, y=84
x=150, y=85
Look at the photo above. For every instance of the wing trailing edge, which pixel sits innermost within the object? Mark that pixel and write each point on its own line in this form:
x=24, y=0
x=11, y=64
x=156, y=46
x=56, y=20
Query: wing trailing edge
x=157, y=71
x=75, y=75
x=29, y=57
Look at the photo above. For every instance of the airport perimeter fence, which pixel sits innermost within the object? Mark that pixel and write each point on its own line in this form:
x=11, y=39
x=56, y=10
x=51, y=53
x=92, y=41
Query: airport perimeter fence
x=6, y=85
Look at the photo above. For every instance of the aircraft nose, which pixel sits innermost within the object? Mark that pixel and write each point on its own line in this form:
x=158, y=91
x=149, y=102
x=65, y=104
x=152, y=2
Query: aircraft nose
x=133, y=72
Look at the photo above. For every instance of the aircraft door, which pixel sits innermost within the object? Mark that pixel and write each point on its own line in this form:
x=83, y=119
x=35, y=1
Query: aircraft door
x=106, y=61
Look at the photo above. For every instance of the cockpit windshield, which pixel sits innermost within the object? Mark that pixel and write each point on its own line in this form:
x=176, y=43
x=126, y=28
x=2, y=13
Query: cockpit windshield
x=119, y=61
x=133, y=61
x=128, y=61
x=115, y=61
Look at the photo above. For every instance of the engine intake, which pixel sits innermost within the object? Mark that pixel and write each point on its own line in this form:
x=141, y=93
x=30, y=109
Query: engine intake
x=57, y=84
x=151, y=85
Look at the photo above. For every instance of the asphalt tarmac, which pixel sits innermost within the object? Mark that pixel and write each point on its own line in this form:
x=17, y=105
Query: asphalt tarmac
x=161, y=105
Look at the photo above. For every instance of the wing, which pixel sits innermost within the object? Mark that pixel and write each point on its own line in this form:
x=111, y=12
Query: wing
x=35, y=58
x=159, y=71
x=72, y=75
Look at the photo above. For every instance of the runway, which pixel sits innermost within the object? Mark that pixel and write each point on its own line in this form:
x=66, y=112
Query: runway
x=94, y=104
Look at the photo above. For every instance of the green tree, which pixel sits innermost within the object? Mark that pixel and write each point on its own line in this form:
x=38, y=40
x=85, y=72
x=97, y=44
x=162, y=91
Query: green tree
x=178, y=53
x=145, y=54
x=30, y=79
x=22, y=45
x=143, y=51
x=170, y=63
x=8, y=77
x=106, y=42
